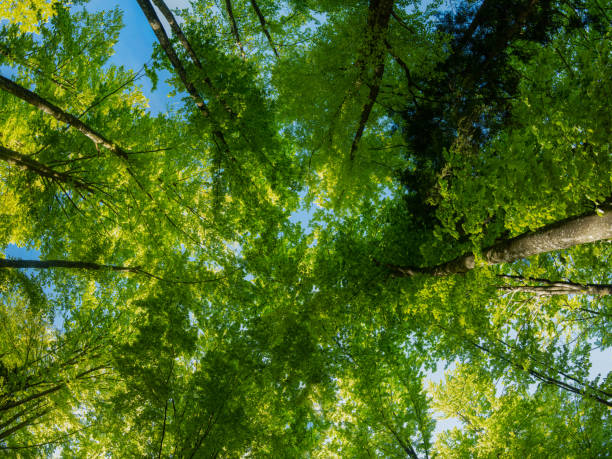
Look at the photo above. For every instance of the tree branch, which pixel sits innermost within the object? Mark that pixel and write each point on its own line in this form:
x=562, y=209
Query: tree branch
x=262, y=21
x=583, y=229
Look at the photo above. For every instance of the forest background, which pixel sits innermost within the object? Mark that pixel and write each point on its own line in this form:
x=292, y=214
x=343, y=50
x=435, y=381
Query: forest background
x=452, y=162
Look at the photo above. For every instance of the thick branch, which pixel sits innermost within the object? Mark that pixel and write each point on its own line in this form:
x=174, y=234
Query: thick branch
x=23, y=424
x=262, y=21
x=24, y=162
x=234, y=26
x=555, y=287
x=560, y=235
x=60, y=115
x=46, y=264
x=164, y=41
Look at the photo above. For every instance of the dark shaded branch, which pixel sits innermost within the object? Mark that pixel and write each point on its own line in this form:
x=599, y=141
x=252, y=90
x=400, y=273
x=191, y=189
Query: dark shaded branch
x=234, y=26
x=407, y=447
x=555, y=287
x=161, y=443
x=264, y=26
x=51, y=390
x=379, y=12
x=176, y=29
x=548, y=379
x=23, y=424
x=35, y=100
x=70, y=264
x=25, y=163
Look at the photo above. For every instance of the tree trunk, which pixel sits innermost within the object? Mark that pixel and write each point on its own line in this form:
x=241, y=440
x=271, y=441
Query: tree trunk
x=176, y=29
x=160, y=33
x=234, y=26
x=560, y=235
x=378, y=22
x=164, y=41
x=555, y=287
x=262, y=21
x=26, y=163
x=60, y=115
x=46, y=264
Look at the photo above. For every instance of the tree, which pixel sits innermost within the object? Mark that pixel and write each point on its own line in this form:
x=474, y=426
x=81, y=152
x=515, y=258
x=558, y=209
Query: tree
x=454, y=164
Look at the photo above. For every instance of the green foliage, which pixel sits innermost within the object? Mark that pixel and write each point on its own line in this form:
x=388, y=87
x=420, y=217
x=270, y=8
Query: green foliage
x=210, y=324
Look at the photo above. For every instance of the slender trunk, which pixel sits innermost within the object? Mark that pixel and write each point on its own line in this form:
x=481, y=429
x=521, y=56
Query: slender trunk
x=23, y=424
x=70, y=264
x=26, y=163
x=164, y=41
x=161, y=443
x=176, y=29
x=160, y=33
x=35, y=100
x=555, y=287
x=378, y=22
x=564, y=234
x=264, y=26
x=234, y=26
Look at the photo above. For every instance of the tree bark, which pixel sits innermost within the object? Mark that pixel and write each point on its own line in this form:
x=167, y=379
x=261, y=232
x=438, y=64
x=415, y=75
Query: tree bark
x=555, y=287
x=176, y=29
x=35, y=100
x=262, y=21
x=160, y=33
x=379, y=13
x=46, y=264
x=26, y=163
x=164, y=41
x=234, y=26
x=564, y=234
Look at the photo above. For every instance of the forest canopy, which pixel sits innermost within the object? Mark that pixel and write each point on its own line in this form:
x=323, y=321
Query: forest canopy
x=343, y=199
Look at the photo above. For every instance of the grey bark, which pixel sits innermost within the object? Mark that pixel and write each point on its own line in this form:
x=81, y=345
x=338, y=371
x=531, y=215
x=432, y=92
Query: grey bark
x=176, y=29
x=46, y=264
x=234, y=26
x=264, y=26
x=35, y=100
x=164, y=41
x=26, y=163
x=555, y=287
x=583, y=229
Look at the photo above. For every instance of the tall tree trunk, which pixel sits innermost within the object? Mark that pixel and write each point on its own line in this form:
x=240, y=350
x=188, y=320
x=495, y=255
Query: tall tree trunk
x=234, y=26
x=560, y=235
x=35, y=100
x=46, y=264
x=555, y=287
x=262, y=21
x=176, y=29
x=164, y=41
x=379, y=13
x=160, y=33
x=26, y=163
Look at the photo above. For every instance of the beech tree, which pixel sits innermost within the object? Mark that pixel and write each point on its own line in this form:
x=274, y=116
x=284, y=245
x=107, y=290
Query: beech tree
x=347, y=197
